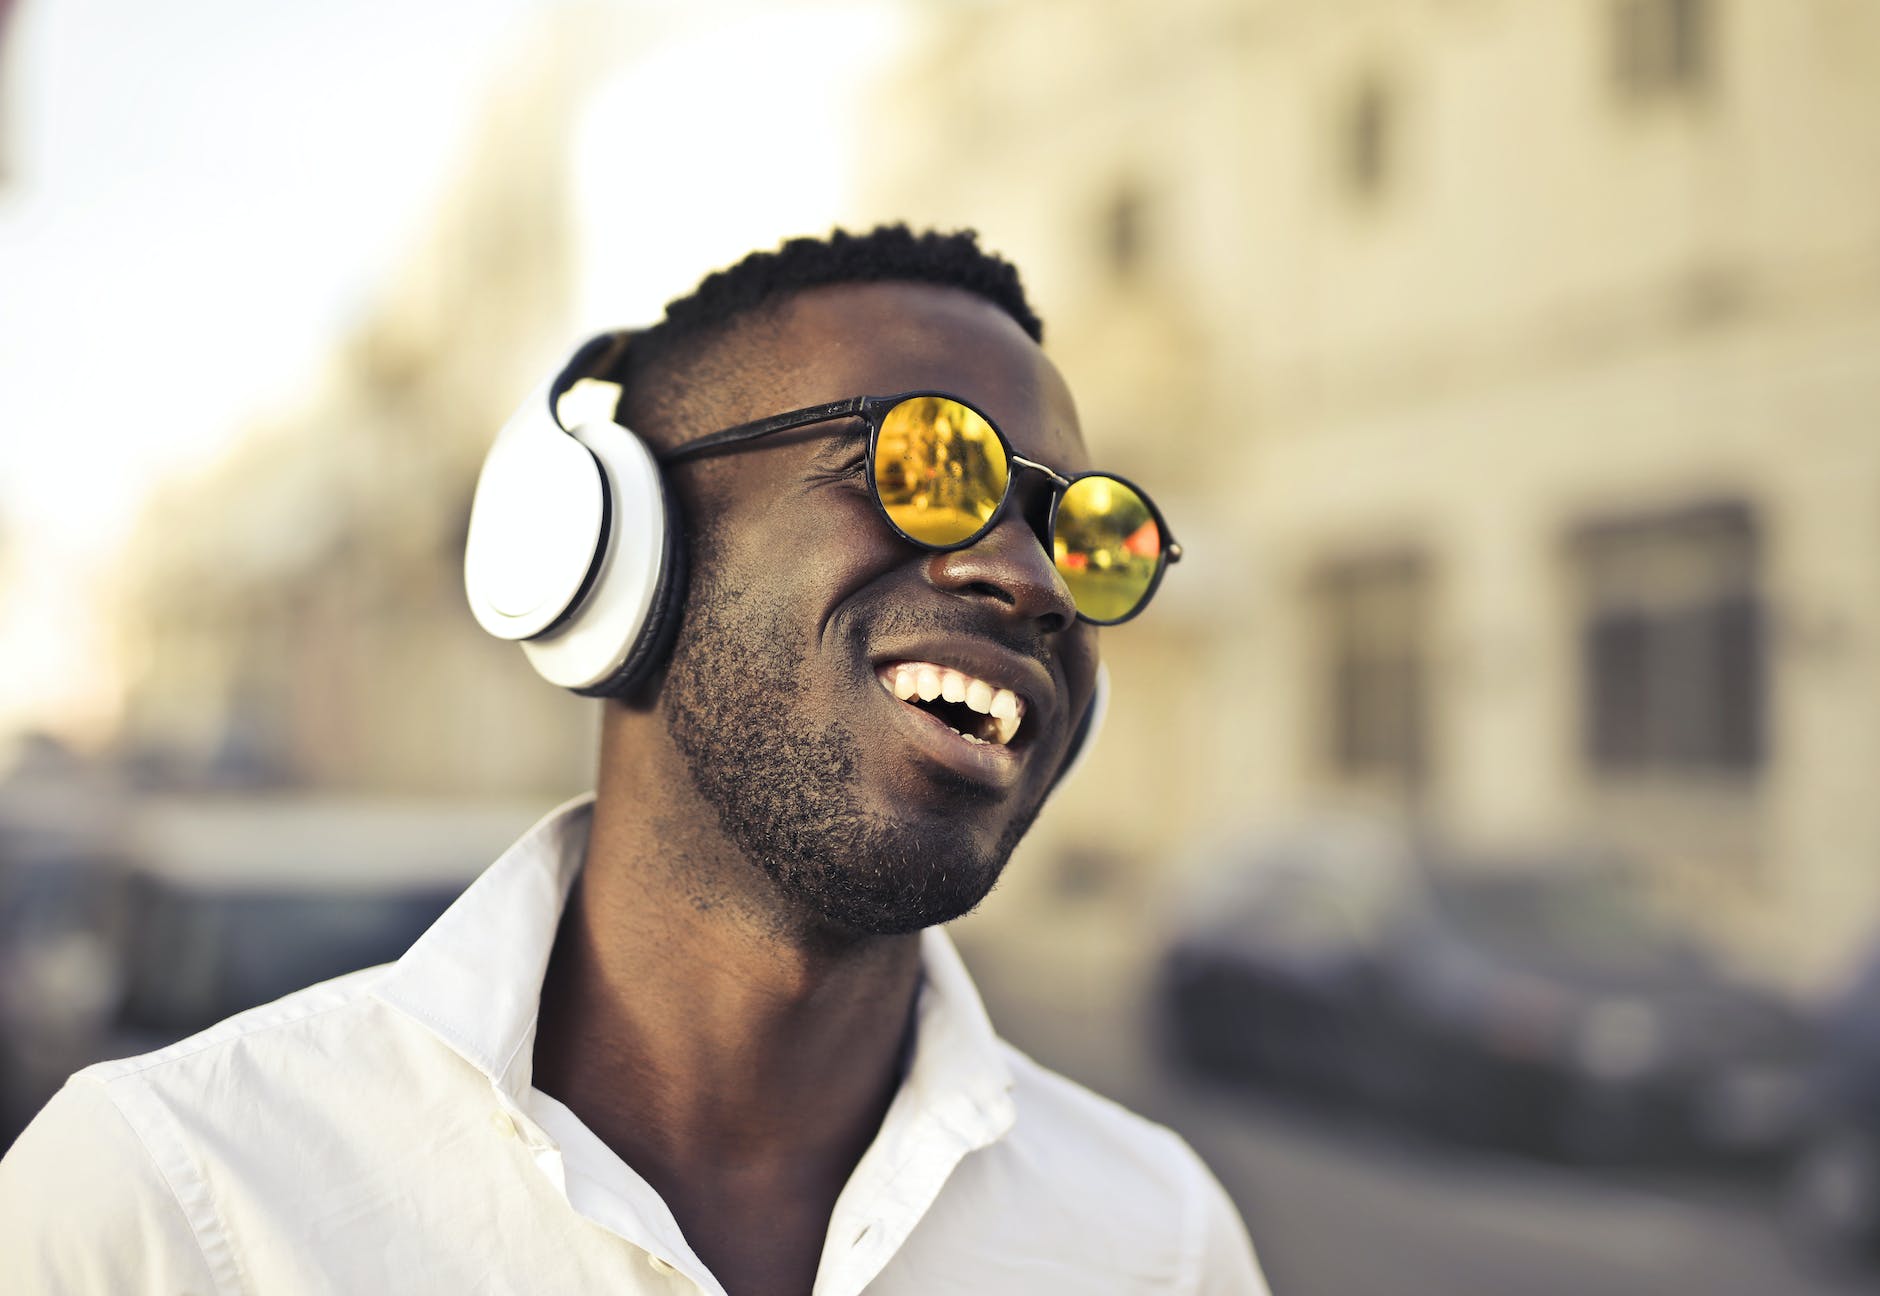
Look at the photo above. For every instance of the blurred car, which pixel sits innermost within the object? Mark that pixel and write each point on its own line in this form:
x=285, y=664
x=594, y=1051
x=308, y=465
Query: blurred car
x=218, y=905
x=1550, y=1011
x=61, y=905
x=1274, y=971
x=1831, y=1194
x=1526, y=1002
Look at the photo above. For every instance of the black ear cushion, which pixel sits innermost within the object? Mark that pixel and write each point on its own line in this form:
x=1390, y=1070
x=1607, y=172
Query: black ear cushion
x=662, y=617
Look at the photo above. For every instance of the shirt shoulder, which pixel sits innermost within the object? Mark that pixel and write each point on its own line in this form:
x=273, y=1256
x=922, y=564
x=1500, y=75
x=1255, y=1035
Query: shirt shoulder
x=313, y=1068
x=1122, y=1186
x=1089, y=1132
x=273, y=1024
x=151, y=1165
x=85, y=1207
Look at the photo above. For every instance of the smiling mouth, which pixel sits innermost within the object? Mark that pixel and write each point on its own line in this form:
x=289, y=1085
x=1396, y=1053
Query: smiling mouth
x=977, y=711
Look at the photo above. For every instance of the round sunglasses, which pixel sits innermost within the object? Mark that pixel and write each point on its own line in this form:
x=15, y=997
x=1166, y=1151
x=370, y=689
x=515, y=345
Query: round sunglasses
x=941, y=473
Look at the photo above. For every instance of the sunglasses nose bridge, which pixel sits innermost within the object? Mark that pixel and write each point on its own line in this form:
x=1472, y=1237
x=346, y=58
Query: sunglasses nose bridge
x=1011, y=564
x=1039, y=506
x=1058, y=482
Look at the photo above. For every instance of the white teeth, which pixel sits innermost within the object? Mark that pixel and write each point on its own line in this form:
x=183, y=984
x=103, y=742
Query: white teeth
x=1002, y=708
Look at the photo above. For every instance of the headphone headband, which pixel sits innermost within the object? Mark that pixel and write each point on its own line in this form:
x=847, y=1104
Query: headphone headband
x=600, y=354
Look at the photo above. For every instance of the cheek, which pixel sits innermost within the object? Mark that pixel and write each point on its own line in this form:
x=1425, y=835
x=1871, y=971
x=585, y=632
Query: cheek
x=810, y=549
x=837, y=533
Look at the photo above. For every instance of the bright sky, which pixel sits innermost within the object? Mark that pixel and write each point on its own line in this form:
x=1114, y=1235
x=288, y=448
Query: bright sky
x=202, y=194
x=753, y=145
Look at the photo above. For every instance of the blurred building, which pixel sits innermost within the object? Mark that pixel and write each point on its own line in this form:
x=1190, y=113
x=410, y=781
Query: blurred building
x=7, y=143
x=297, y=614
x=1509, y=371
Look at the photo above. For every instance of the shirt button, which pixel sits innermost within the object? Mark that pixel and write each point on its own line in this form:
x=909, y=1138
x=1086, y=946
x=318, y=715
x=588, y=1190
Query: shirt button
x=503, y=1124
x=660, y=1264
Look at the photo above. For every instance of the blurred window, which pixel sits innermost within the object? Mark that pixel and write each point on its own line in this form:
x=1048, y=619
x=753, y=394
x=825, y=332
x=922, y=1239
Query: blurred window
x=1302, y=914
x=1371, y=616
x=1591, y=921
x=1673, y=642
x=1367, y=139
x=1660, y=46
x=1125, y=218
x=197, y=956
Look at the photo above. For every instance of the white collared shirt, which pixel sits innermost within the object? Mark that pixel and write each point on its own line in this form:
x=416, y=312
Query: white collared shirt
x=379, y=1134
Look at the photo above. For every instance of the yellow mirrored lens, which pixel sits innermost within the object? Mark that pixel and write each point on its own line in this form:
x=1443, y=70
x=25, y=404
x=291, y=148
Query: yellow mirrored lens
x=1107, y=547
x=940, y=469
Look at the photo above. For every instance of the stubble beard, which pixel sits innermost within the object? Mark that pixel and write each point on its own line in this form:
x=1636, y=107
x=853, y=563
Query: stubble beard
x=783, y=788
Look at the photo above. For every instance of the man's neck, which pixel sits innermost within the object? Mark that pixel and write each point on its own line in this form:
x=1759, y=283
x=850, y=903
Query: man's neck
x=740, y=1068
x=727, y=1045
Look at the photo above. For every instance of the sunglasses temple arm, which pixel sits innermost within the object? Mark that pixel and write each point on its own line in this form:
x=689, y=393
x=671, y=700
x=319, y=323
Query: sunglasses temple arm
x=765, y=427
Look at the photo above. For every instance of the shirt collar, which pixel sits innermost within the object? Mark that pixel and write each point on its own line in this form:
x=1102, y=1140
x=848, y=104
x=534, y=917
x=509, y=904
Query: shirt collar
x=474, y=979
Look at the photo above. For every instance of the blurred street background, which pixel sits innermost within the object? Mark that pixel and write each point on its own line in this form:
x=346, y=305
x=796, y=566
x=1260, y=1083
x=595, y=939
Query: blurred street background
x=1481, y=863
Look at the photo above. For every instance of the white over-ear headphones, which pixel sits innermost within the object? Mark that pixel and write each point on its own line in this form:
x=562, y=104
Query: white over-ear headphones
x=575, y=548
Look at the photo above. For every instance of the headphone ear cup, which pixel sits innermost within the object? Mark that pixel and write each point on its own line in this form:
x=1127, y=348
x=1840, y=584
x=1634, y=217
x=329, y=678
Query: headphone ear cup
x=602, y=645
x=1087, y=728
x=649, y=648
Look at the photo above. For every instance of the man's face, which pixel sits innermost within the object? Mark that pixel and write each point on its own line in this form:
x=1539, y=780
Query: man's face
x=869, y=813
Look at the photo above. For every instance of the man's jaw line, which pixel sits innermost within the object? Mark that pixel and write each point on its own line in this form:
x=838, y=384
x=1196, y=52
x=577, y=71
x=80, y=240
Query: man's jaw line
x=703, y=891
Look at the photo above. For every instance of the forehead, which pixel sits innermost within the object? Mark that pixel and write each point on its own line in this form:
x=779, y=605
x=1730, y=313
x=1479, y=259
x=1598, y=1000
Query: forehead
x=878, y=339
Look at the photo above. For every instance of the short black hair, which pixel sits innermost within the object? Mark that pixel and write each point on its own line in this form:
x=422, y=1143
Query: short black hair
x=675, y=372
x=887, y=252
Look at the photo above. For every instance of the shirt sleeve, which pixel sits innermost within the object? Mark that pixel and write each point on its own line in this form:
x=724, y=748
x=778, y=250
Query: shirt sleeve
x=84, y=1209
x=1225, y=1261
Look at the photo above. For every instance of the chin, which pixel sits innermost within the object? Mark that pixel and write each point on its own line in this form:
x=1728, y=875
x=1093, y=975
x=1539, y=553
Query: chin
x=881, y=879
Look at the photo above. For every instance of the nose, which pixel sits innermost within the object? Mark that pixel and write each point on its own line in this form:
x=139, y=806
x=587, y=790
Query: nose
x=1008, y=566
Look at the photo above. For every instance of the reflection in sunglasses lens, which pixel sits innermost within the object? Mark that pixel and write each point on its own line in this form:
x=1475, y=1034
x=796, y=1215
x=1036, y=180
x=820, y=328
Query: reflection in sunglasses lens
x=1107, y=547
x=940, y=470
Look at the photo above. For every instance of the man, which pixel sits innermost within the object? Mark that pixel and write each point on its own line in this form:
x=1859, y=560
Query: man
x=702, y=1030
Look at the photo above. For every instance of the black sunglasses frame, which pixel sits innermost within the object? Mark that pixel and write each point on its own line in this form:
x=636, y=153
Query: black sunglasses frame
x=874, y=411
